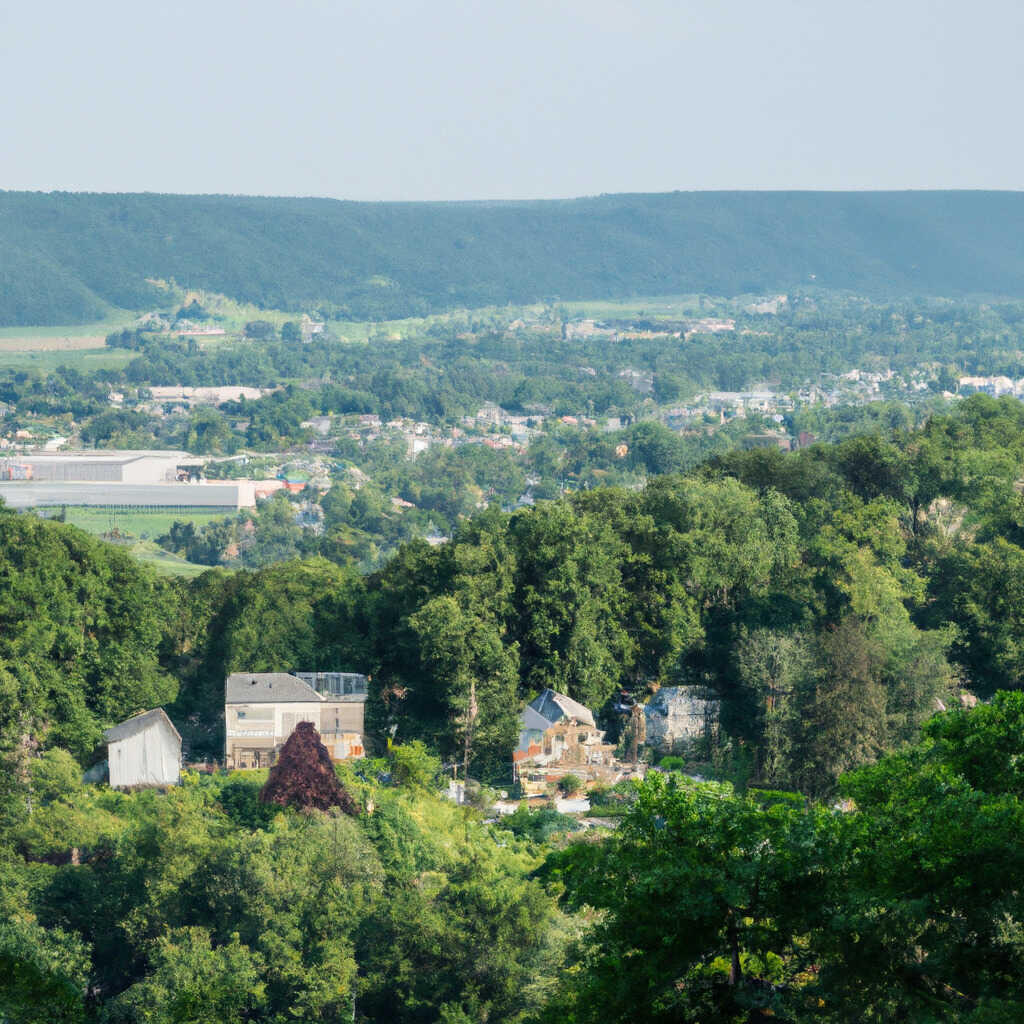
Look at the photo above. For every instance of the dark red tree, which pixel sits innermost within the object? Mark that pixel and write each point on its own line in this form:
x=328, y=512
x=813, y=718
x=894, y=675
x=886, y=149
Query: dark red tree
x=304, y=775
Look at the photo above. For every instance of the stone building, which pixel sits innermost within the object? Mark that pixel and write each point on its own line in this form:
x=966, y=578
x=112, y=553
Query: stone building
x=678, y=717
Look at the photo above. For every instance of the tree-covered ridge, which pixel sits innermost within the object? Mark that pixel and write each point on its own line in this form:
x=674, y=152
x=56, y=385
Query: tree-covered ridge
x=68, y=257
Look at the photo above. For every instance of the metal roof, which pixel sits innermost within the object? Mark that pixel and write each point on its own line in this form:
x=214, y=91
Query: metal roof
x=532, y=719
x=139, y=723
x=267, y=688
x=556, y=707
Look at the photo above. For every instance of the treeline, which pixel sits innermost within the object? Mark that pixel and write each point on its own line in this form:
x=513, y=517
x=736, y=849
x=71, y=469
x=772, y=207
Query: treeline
x=831, y=598
x=69, y=257
x=451, y=368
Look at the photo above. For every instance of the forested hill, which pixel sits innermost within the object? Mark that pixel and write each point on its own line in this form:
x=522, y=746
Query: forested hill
x=67, y=257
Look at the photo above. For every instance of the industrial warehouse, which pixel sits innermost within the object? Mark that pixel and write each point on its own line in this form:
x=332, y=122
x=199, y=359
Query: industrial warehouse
x=120, y=480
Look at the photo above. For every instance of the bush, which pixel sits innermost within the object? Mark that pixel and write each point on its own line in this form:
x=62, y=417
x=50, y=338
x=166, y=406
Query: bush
x=261, y=330
x=539, y=825
x=412, y=764
x=569, y=784
x=55, y=774
x=775, y=797
x=480, y=796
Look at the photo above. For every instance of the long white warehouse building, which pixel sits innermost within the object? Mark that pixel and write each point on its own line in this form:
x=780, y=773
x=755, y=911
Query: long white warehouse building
x=222, y=495
x=134, y=467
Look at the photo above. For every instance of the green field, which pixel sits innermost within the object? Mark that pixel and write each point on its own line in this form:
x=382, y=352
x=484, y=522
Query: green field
x=165, y=563
x=135, y=525
x=139, y=531
x=115, y=322
x=85, y=360
x=655, y=307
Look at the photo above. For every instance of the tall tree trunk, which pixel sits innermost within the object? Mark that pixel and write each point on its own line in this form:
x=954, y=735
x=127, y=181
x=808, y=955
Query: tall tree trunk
x=735, y=968
x=467, y=747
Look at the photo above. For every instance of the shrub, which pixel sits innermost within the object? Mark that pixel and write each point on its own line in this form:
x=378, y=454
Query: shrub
x=569, y=784
x=537, y=825
x=412, y=764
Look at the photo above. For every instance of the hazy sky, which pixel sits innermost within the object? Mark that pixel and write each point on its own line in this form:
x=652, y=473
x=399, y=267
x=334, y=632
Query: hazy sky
x=509, y=98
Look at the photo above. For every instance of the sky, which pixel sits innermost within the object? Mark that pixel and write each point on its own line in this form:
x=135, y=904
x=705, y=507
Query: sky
x=509, y=99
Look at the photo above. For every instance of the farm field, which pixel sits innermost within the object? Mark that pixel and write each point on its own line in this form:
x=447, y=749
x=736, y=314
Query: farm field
x=85, y=360
x=134, y=525
x=62, y=335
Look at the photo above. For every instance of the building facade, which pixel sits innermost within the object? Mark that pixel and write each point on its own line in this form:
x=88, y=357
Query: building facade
x=261, y=710
x=558, y=737
x=144, y=751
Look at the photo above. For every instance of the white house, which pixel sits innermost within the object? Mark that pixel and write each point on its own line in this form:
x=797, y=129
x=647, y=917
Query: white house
x=144, y=751
x=261, y=710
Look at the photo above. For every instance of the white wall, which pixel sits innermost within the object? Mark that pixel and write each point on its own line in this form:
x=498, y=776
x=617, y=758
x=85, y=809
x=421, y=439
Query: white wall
x=149, y=758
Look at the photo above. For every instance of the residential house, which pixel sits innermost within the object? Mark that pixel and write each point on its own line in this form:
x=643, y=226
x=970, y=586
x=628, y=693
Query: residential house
x=261, y=710
x=558, y=736
x=145, y=750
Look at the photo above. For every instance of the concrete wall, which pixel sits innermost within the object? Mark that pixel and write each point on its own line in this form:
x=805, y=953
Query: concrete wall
x=150, y=469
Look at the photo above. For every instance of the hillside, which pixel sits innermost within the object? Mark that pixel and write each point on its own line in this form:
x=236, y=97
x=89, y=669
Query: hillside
x=69, y=257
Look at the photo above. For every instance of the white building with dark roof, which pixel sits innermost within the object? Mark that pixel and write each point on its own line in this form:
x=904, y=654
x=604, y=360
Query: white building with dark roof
x=261, y=710
x=145, y=750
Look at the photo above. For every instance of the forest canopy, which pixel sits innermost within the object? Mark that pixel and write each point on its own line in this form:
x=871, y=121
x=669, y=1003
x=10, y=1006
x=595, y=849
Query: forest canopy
x=70, y=257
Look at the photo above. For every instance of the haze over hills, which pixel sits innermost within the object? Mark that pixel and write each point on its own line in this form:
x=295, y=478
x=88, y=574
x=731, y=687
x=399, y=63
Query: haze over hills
x=69, y=257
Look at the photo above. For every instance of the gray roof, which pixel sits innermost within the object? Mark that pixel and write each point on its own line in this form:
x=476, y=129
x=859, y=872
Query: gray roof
x=139, y=723
x=557, y=707
x=267, y=688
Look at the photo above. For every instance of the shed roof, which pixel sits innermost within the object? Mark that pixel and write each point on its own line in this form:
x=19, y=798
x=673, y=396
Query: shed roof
x=139, y=723
x=556, y=707
x=267, y=688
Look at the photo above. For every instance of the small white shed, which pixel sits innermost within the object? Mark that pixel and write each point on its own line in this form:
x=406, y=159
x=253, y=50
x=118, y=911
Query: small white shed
x=144, y=751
